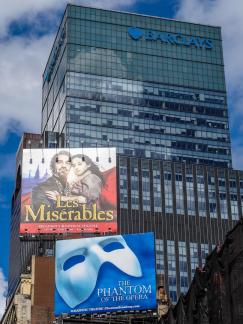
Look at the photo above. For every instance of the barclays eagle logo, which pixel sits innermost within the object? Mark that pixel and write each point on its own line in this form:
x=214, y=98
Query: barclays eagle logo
x=135, y=33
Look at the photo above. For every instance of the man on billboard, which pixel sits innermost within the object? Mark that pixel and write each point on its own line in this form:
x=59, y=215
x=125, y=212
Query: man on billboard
x=60, y=166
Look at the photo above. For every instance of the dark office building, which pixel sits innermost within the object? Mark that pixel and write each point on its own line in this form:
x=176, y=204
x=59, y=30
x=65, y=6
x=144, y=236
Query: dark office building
x=153, y=88
x=21, y=251
x=190, y=208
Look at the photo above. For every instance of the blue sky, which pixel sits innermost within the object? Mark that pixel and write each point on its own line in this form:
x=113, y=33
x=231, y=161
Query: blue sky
x=27, y=30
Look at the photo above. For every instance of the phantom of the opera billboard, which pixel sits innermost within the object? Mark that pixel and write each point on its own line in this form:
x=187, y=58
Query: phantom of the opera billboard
x=68, y=190
x=105, y=274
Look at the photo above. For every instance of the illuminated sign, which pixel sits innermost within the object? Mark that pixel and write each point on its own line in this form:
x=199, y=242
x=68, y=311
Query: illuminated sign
x=69, y=190
x=170, y=38
x=105, y=274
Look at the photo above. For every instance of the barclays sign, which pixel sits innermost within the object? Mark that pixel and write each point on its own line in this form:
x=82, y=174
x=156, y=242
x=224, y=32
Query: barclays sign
x=170, y=38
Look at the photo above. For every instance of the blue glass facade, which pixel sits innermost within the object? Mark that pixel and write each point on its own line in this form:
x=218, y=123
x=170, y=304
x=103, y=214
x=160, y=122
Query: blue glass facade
x=151, y=97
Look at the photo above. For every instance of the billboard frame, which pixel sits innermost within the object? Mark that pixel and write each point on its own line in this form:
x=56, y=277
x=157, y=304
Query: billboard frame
x=87, y=203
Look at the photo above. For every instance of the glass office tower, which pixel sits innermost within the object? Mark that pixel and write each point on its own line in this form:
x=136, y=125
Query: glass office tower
x=152, y=87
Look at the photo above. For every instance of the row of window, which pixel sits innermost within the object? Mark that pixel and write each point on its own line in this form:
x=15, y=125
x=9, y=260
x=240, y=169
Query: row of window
x=129, y=19
x=165, y=52
x=159, y=149
x=155, y=148
x=91, y=109
x=124, y=133
x=210, y=142
x=129, y=94
x=226, y=202
x=203, y=123
x=115, y=84
x=96, y=60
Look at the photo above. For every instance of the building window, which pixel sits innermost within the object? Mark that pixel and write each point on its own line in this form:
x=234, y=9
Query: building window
x=179, y=194
x=157, y=187
x=223, y=205
x=212, y=196
x=146, y=186
x=168, y=192
x=204, y=252
x=194, y=257
x=190, y=195
x=233, y=196
x=201, y=195
x=234, y=206
x=159, y=245
x=222, y=195
x=183, y=267
x=123, y=183
x=134, y=185
x=172, y=270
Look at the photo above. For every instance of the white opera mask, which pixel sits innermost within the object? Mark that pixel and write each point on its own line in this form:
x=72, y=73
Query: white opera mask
x=75, y=283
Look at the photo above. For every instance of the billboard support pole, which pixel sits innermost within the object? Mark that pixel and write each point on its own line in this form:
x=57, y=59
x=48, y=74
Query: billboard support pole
x=97, y=156
x=109, y=153
x=29, y=143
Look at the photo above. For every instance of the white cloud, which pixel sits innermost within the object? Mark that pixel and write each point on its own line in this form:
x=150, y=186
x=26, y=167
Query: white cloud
x=229, y=15
x=15, y=9
x=22, y=60
x=21, y=66
x=3, y=290
x=107, y=4
x=237, y=154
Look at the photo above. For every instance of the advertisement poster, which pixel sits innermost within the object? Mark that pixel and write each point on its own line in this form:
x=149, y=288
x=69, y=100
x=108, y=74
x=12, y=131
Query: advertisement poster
x=68, y=190
x=105, y=274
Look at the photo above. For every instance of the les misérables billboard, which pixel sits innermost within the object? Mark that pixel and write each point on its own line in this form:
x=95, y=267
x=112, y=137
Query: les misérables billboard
x=68, y=191
x=105, y=274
